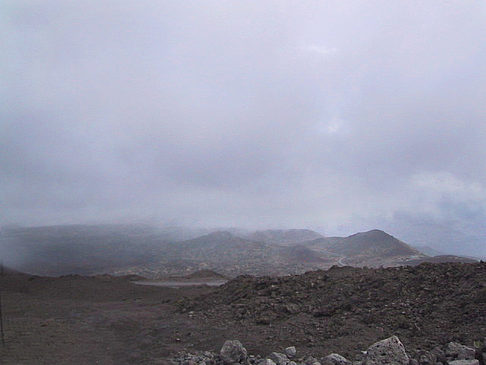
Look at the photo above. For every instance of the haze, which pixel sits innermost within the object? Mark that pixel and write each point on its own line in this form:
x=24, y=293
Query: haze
x=339, y=116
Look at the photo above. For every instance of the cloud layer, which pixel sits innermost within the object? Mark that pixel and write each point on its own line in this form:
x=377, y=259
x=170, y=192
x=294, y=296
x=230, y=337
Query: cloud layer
x=334, y=115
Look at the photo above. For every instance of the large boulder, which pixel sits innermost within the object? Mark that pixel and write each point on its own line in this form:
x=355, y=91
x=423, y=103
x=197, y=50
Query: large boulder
x=335, y=359
x=460, y=352
x=233, y=352
x=463, y=362
x=387, y=352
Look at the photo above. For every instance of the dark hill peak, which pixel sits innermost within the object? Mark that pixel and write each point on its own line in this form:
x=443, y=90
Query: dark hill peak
x=375, y=243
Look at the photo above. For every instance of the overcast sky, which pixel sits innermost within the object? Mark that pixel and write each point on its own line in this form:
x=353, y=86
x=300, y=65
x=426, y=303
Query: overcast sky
x=340, y=116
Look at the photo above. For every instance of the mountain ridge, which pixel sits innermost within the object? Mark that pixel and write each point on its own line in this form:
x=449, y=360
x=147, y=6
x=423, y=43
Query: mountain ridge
x=144, y=250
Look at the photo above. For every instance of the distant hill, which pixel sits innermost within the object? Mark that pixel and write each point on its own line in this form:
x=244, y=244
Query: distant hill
x=217, y=243
x=372, y=243
x=232, y=255
x=149, y=252
x=284, y=236
x=218, y=247
x=143, y=250
x=372, y=248
x=302, y=254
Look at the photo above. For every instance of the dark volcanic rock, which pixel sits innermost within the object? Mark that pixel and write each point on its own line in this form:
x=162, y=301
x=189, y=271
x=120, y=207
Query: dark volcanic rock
x=425, y=305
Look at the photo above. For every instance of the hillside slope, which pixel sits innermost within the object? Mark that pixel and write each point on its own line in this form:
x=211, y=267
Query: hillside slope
x=372, y=243
x=284, y=236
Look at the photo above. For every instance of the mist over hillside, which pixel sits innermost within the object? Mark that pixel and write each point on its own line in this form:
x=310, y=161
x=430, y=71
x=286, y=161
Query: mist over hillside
x=261, y=115
x=304, y=176
x=156, y=252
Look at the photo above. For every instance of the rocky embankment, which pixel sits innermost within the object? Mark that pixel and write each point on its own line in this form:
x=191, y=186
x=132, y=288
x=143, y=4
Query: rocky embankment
x=386, y=352
x=345, y=309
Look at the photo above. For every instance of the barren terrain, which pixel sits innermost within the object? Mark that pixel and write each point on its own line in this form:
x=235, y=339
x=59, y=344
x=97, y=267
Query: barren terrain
x=107, y=320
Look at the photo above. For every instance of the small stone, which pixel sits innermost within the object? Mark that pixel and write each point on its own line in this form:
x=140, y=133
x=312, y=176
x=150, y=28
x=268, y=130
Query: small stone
x=291, y=351
x=266, y=362
x=233, y=352
x=278, y=358
x=335, y=359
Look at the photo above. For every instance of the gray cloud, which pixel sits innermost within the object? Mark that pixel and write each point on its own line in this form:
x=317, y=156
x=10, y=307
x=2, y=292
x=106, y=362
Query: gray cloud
x=333, y=115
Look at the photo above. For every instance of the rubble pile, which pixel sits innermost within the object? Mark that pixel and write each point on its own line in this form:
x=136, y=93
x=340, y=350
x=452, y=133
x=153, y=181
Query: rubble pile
x=425, y=305
x=389, y=351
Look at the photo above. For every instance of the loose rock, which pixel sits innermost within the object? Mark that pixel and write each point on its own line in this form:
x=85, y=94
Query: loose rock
x=463, y=362
x=291, y=351
x=280, y=359
x=233, y=352
x=387, y=352
x=266, y=362
x=335, y=359
x=460, y=352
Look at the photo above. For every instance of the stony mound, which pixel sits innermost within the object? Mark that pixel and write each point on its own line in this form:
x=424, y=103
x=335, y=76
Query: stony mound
x=338, y=309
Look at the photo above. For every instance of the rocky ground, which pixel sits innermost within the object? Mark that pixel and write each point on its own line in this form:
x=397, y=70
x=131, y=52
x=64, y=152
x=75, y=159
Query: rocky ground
x=108, y=320
x=344, y=309
x=389, y=351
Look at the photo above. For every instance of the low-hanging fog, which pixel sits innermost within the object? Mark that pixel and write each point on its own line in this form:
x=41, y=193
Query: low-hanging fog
x=339, y=116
